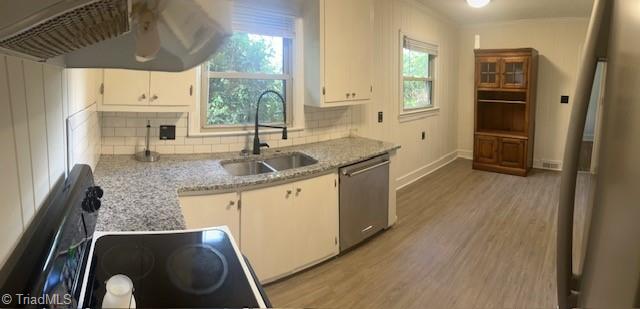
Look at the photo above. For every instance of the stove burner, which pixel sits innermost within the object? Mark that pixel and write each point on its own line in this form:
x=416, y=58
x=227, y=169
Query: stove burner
x=197, y=269
x=132, y=260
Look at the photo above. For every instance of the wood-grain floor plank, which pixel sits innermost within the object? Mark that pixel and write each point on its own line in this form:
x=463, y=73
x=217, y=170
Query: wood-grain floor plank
x=464, y=239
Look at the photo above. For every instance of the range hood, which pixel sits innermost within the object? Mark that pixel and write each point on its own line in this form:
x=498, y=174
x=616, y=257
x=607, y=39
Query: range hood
x=154, y=35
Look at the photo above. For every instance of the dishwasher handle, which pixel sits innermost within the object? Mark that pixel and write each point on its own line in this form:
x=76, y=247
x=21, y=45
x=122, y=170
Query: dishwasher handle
x=352, y=173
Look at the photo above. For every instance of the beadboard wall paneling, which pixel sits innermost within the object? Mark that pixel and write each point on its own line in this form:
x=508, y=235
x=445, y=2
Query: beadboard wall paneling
x=34, y=104
x=417, y=156
x=11, y=211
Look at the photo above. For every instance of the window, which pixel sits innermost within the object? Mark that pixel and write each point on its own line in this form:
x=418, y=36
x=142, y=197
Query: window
x=418, y=75
x=257, y=57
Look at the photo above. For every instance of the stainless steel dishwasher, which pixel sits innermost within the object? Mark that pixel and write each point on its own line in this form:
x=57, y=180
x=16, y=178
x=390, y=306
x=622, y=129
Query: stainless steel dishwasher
x=364, y=200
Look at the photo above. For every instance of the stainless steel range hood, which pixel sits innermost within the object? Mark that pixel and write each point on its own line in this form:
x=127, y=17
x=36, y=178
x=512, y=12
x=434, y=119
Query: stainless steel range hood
x=156, y=35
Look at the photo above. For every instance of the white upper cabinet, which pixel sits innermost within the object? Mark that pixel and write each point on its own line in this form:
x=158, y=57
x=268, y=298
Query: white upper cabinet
x=142, y=91
x=338, y=40
x=172, y=88
x=126, y=87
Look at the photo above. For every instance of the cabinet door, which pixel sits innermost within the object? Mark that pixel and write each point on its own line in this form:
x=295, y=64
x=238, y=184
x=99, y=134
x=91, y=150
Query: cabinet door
x=514, y=72
x=486, y=149
x=361, y=47
x=174, y=89
x=487, y=72
x=316, y=219
x=205, y=211
x=512, y=152
x=268, y=225
x=126, y=87
x=337, y=50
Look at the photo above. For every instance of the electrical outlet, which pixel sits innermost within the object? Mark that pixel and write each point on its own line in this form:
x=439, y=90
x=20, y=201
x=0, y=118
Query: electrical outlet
x=380, y=117
x=167, y=132
x=424, y=135
x=564, y=99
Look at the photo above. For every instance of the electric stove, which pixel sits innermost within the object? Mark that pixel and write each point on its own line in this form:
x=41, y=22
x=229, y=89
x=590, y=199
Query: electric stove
x=61, y=262
x=201, y=268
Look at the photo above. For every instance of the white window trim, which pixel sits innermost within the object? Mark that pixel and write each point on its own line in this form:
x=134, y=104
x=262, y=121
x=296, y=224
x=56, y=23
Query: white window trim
x=195, y=128
x=406, y=115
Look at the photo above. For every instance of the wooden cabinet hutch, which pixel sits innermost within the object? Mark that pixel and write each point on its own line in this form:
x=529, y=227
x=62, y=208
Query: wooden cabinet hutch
x=505, y=97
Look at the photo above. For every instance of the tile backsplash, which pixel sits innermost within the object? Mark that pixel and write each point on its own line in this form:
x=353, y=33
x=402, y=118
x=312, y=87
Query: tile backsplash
x=124, y=133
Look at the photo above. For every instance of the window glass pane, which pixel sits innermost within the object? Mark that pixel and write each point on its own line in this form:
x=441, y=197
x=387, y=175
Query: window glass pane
x=250, y=53
x=417, y=94
x=415, y=64
x=233, y=101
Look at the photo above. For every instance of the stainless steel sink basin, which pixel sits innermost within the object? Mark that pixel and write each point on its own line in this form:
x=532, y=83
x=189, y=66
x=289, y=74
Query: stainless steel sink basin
x=290, y=161
x=278, y=163
x=246, y=168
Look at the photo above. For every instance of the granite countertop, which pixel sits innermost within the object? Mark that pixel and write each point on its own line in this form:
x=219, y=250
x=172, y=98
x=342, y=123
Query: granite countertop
x=144, y=196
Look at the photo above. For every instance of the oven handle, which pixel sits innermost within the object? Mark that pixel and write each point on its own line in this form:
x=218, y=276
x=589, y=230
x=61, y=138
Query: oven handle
x=366, y=169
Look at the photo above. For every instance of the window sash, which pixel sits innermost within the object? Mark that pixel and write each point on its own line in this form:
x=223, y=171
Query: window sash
x=432, y=53
x=288, y=86
x=286, y=77
x=418, y=79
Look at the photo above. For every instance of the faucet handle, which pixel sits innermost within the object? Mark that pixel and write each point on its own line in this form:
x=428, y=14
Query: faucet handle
x=264, y=145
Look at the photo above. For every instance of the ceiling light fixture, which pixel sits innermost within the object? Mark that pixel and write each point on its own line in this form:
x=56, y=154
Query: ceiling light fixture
x=478, y=3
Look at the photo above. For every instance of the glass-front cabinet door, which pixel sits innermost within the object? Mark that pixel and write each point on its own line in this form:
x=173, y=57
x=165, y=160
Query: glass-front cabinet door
x=514, y=72
x=487, y=72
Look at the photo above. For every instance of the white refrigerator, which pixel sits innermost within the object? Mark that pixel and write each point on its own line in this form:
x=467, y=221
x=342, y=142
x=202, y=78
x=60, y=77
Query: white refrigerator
x=609, y=276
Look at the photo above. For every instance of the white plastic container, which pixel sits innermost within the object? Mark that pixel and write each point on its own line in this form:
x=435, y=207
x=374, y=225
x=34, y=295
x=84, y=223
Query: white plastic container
x=119, y=293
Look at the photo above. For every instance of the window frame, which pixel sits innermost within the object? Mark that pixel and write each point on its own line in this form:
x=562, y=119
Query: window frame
x=407, y=114
x=286, y=76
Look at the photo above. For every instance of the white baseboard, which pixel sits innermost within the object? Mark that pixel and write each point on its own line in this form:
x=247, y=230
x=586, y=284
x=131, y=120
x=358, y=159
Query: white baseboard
x=465, y=154
x=425, y=170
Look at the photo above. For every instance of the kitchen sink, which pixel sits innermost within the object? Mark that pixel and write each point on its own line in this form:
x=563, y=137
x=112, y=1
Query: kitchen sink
x=290, y=161
x=246, y=168
x=270, y=165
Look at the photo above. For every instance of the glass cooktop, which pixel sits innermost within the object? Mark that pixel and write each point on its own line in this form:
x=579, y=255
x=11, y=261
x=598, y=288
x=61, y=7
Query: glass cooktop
x=190, y=269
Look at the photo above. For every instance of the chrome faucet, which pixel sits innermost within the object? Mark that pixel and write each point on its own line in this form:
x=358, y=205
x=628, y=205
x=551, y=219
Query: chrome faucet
x=256, y=139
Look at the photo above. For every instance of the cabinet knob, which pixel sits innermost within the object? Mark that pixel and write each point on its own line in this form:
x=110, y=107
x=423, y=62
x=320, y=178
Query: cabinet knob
x=298, y=190
x=289, y=192
x=154, y=97
x=353, y=94
x=348, y=95
x=231, y=203
x=142, y=97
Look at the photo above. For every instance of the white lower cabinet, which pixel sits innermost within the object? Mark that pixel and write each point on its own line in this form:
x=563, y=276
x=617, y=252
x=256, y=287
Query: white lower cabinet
x=268, y=228
x=204, y=211
x=281, y=229
x=289, y=227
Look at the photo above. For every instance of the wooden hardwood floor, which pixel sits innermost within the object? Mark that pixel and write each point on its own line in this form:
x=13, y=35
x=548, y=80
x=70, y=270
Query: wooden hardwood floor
x=463, y=239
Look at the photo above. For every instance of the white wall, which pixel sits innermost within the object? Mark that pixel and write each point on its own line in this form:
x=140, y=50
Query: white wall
x=33, y=109
x=417, y=157
x=559, y=43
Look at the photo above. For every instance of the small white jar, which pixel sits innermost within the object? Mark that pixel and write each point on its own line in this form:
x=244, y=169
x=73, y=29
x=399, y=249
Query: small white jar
x=119, y=293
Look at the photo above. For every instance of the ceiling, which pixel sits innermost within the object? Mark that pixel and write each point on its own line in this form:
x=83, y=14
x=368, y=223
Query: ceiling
x=505, y=10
